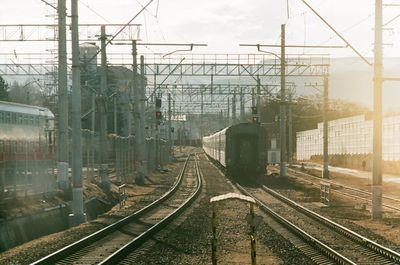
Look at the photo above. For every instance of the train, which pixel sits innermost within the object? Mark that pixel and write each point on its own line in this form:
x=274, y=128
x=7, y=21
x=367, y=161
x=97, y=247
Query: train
x=240, y=149
x=26, y=147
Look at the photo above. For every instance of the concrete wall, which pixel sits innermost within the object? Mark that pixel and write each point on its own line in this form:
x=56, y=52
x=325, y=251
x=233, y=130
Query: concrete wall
x=19, y=230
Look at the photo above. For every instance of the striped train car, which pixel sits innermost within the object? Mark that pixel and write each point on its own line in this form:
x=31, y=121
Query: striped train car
x=240, y=149
x=26, y=148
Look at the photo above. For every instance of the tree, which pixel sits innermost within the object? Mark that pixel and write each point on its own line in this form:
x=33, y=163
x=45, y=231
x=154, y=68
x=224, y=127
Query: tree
x=26, y=94
x=4, y=89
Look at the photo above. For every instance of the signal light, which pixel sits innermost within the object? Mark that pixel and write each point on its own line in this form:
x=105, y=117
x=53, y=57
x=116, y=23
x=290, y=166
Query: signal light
x=254, y=110
x=255, y=120
x=158, y=115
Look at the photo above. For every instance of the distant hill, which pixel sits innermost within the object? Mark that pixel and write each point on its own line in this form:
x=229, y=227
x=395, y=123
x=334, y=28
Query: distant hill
x=351, y=79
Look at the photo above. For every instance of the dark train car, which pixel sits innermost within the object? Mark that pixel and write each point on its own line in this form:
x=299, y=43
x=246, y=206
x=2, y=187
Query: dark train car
x=240, y=149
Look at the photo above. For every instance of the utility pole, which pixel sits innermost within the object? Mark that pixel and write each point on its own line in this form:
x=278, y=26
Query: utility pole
x=142, y=113
x=241, y=105
x=283, y=106
x=176, y=123
x=92, y=141
x=258, y=99
x=290, y=132
x=136, y=115
x=377, y=131
x=228, y=114
x=325, y=172
x=115, y=115
x=201, y=114
x=169, y=128
x=139, y=137
x=234, y=107
x=63, y=144
x=77, y=216
x=253, y=95
x=103, y=172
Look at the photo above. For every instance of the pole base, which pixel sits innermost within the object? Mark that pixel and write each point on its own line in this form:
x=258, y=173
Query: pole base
x=76, y=219
x=105, y=182
x=376, y=202
x=62, y=176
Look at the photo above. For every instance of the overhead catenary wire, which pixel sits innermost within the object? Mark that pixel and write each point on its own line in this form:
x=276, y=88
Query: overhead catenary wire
x=120, y=30
x=337, y=33
x=49, y=4
x=94, y=11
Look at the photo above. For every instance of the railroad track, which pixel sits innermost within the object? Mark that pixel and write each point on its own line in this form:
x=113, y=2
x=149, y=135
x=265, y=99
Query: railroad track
x=331, y=243
x=355, y=193
x=115, y=242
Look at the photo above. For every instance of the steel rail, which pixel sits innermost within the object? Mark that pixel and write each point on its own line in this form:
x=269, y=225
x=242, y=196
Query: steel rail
x=315, y=243
x=338, y=185
x=90, y=239
x=355, y=237
x=121, y=253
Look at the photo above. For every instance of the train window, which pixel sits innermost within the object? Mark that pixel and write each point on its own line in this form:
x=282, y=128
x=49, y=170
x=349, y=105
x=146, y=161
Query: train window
x=1, y=117
x=31, y=120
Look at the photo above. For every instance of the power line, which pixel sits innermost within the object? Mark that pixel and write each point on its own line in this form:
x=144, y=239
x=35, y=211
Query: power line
x=47, y=3
x=94, y=11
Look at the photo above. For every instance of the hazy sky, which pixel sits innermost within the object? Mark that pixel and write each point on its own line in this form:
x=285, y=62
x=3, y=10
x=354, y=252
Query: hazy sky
x=223, y=24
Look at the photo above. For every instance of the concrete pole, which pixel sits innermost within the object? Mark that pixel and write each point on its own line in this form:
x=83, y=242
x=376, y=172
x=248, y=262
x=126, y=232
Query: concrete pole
x=234, y=107
x=169, y=129
x=212, y=87
x=201, y=115
x=176, y=129
x=92, y=142
x=290, y=132
x=136, y=115
x=242, y=119
x=228, y=114
x=283, y=106
x=377, y=130
x=63, y=144
x=253, y=95
x=103, y=171
x=142, y=117
x=115, y=115
x=221, y=121
x=77, y=216
x=325, y=172
x=258, y=99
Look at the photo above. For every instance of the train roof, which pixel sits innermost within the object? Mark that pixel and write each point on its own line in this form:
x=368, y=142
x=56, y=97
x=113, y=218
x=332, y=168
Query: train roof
x=235, y=127
x=26, y=109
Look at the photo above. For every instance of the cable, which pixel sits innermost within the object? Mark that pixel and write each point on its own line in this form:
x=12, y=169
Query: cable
x=47, y=3
x=94, y=11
